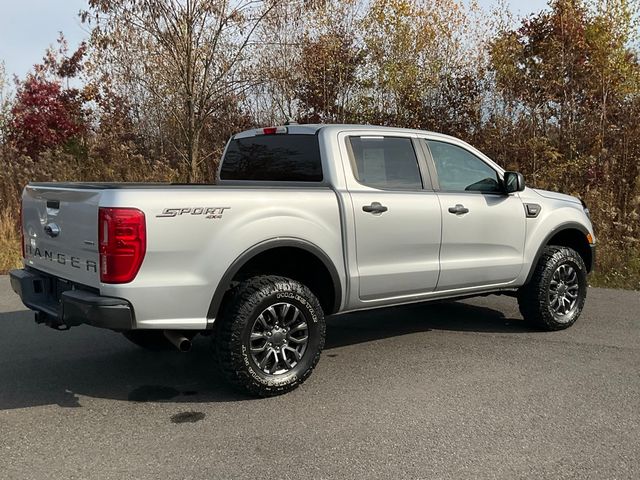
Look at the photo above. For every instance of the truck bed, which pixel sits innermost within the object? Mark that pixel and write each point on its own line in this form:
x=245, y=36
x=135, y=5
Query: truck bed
x=117, y=185
x=227, y=184
x=187, y=252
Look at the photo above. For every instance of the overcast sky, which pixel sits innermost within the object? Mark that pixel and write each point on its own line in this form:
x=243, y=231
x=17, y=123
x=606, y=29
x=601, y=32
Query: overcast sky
x=28, y=27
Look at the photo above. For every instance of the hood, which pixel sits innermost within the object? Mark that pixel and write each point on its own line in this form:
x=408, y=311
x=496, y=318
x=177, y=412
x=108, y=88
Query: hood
x=557, y=196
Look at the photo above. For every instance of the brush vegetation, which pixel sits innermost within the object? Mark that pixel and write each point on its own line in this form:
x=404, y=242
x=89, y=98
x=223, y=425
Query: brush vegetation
x=158, y=88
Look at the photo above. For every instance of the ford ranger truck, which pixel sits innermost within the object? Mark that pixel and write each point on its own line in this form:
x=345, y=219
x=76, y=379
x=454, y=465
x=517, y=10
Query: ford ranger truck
x=303, y=221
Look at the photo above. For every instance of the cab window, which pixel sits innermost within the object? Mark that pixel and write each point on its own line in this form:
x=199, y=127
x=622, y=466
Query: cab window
x=280, y=158
x=385, y=162
x=461, y=171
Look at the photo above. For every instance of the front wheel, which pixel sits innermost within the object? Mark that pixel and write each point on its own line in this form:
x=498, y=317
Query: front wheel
x=554, y=297
x=270, y=335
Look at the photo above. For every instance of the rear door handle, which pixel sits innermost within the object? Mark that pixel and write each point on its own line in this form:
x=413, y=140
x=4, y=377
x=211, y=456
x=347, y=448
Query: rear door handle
x=375, y=207
x=458, y=209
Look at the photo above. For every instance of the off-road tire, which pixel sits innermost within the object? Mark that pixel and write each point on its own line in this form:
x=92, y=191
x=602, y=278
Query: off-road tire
x=152, y=340
x=239, y=316
x=534, y=298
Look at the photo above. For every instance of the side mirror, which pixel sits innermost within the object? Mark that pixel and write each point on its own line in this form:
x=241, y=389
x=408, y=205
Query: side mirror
x=513, y=182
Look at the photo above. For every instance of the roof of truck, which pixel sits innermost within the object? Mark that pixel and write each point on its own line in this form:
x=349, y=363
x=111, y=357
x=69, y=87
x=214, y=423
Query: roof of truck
x=312, y=128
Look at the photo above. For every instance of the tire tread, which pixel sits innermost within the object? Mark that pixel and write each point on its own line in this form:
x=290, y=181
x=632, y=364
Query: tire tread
x=245, y=298
x=532, y=297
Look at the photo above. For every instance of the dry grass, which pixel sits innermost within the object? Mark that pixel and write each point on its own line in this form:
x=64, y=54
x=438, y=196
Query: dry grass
x=617, y=266
x=9, y=243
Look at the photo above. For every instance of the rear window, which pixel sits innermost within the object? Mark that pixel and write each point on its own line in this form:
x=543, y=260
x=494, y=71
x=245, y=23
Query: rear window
x=284, y=158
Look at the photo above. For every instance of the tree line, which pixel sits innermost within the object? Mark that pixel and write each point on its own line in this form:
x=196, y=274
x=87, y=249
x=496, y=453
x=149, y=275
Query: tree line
x=160, y=85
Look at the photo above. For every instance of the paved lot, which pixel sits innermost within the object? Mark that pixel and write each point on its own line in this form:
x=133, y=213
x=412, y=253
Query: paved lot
x=450, y=390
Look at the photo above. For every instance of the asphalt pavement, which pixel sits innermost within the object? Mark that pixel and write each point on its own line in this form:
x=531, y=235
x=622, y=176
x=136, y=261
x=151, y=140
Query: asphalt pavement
x=447, y=390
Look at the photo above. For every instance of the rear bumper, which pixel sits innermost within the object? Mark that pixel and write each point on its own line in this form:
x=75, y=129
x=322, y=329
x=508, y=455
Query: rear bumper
x=61, y=305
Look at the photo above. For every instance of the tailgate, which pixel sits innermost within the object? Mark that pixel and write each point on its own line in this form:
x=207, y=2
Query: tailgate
x=61, y=232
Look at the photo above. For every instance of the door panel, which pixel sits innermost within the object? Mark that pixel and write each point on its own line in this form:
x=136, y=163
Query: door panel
x=483, y=229
x=484, y=246
x=397, y=250
x=397, y=222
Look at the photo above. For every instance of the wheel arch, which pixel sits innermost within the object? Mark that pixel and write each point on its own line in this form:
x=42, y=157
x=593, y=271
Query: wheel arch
x=263, y=258
x=569, y=234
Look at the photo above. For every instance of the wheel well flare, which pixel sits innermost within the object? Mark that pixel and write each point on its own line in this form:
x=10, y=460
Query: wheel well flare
x=577, y=240
x=304, y=263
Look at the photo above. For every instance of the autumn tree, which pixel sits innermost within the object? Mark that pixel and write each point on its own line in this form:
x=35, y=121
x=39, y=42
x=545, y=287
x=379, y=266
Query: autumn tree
x=43, y=117
x=275, y=59
x=418, y=55
x=570, y=76
x=182, y=59
x=48, y=112
x=330, y=64
x=566, y=72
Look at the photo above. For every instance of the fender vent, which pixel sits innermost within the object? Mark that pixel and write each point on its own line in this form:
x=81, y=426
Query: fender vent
x=532, y=210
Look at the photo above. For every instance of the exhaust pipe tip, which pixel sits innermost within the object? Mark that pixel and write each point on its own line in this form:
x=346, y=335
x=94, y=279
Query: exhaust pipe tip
x=182, y=343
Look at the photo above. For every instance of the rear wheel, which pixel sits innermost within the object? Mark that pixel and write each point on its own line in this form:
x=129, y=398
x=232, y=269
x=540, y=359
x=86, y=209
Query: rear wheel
x=554, y=297
x=270, y=335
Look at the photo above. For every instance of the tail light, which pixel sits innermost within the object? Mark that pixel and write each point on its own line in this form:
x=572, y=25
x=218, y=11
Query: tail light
x=122, y=239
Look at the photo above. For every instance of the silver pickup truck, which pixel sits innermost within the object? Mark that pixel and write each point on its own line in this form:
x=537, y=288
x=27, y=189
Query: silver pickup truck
x=304, y=221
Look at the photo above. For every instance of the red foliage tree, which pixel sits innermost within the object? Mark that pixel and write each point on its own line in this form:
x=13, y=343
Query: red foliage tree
x=44, y=116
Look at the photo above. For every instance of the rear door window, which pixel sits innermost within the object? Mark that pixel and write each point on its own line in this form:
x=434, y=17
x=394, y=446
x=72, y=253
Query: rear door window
x=385, y=162
x=284, y=158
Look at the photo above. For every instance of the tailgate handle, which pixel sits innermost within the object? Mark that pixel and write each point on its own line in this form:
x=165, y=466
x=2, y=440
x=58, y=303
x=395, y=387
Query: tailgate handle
x=52, y=230
x=53, y=204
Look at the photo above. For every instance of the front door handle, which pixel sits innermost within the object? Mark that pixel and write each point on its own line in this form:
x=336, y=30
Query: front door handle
x=375, y=207
x=458, y=209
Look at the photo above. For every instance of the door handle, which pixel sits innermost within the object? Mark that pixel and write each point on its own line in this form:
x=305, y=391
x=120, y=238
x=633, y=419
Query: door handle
x=375, y=207
x=458, y=209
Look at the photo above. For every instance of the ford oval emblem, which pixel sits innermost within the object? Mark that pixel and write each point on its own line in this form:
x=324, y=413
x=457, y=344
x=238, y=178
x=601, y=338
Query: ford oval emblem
x=52, y=230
